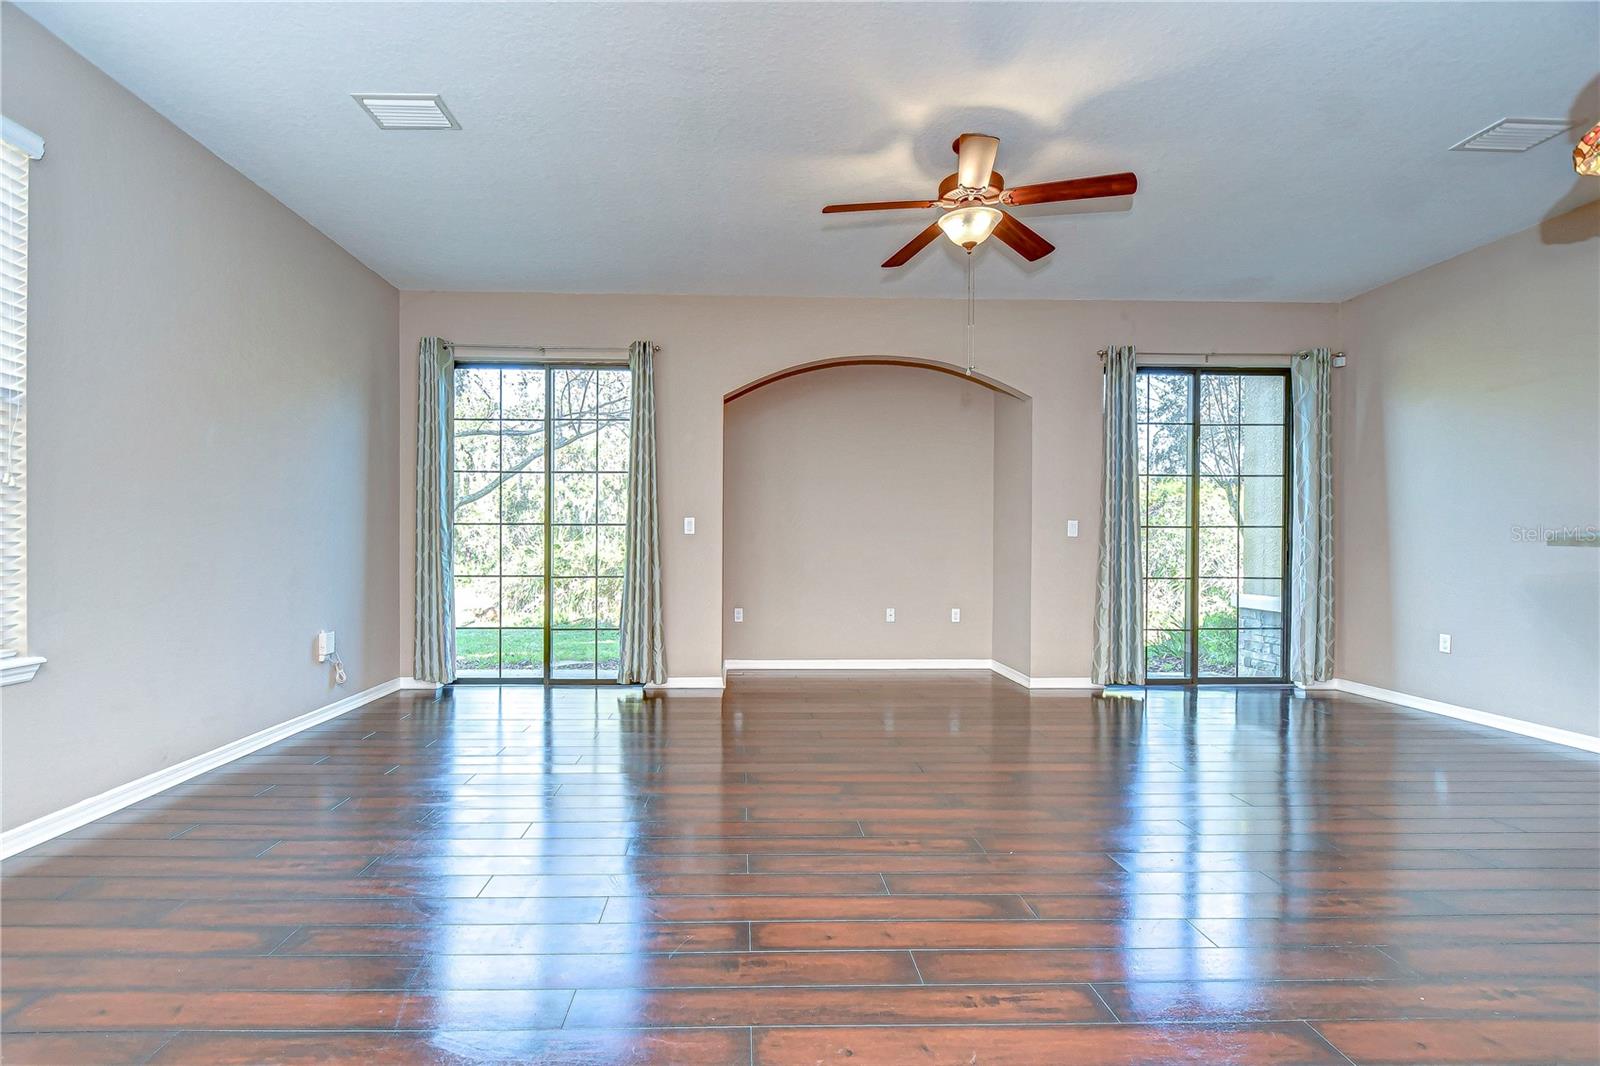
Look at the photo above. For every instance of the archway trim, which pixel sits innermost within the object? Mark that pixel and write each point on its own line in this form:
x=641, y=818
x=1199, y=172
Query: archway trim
x=973, y=376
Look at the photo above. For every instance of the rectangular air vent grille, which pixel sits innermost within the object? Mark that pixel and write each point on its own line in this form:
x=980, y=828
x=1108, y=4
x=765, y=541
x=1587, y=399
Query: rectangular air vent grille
x=1513, y=135
x=407, y=111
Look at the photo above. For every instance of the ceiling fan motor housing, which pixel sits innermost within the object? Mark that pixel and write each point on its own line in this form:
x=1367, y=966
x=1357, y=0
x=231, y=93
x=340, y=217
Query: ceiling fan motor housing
x=951, y=188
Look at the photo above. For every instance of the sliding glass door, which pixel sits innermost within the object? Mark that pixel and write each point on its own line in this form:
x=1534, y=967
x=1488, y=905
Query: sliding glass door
x=541, y=490
x=1213, y=455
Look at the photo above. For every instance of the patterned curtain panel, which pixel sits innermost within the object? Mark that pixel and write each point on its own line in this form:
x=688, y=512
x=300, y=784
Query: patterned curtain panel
x=1311, y=522
x=1119, y=595
x=434, y=654
x=643, y=654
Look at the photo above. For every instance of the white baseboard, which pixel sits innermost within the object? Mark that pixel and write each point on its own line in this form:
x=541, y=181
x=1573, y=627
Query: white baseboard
x=856, y=664
x=1035, y=684
x=1008, y=672
x=1565, y=737
x=714, y=682
x=1076, y=683
x=83, y=812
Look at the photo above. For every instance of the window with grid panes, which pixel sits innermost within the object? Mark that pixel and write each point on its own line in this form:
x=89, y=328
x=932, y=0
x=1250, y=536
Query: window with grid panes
x=541, y=490
x=1213, y=456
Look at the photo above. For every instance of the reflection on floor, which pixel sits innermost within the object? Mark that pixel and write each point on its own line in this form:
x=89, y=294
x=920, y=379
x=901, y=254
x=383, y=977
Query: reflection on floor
x=829, y=868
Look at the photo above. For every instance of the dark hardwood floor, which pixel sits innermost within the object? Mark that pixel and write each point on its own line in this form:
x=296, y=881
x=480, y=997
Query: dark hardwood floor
x=830, y=868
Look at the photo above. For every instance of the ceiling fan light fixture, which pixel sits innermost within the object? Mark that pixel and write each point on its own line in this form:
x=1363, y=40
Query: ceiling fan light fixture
x=970, y=226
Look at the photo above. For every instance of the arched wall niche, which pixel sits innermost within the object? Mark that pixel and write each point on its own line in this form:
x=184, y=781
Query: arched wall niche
x=858, y=483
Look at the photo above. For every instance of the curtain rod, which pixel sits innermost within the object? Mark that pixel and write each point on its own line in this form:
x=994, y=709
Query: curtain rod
x=1218, y=355
x=545, y=348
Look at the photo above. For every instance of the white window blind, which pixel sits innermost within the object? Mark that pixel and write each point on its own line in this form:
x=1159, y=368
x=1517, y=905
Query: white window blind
x=13, y=405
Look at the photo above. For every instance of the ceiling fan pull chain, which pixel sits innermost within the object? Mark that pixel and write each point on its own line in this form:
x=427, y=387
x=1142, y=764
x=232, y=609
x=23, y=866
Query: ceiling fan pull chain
x=972, y=313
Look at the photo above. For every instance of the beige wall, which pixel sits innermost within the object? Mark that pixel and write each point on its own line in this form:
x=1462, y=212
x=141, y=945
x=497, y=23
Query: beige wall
x=211, y=456
x=849, y=490
x=1469, y=410
x=712, y=345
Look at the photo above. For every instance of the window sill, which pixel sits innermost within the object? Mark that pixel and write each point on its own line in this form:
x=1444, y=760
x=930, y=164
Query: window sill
x=16, y=670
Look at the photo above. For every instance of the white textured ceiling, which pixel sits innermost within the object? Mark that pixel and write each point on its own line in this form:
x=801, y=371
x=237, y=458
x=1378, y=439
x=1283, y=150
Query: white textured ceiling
x=1285, y=151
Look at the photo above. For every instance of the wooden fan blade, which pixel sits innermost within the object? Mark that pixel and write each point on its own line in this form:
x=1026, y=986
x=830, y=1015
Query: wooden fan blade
x=1028, y=243
x=1050, y=192
x=918, y=243
x=885, y=205
x=977, y=152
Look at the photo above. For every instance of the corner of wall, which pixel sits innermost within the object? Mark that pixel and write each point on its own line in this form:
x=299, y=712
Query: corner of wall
x=1012, y=608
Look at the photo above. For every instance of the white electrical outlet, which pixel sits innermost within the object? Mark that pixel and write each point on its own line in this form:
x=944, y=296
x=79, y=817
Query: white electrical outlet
x=688, y=524
x=955, y=614
x=738, y=614
x=1072, y=527
x=326, y=644
x=1444, y=643
x=888, y=614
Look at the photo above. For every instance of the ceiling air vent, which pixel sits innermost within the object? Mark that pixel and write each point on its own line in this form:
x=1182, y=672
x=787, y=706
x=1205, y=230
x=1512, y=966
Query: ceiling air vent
x=407, y=111
x=1513, y=135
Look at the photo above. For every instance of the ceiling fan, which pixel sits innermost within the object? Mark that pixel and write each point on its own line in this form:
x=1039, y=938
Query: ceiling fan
x=971, y=199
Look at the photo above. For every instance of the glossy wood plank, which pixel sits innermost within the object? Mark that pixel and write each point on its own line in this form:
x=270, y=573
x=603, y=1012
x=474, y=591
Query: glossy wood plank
x=977, y=864
x=1459, y=1042
x=658, y=1047
x=1083, y=1045
x=210, y=973
x=172, y=866
x=295, y=1010
x=1435, y=880
x=894, y=844
x=91, y=914
x=801, y=908
x=951, y=934
x=81, y=1049
x=1526, y=960
x=626, y=866
x=441, y=939
x=1192, y=1001
x=1121, y=885
x=546, y=911
x=1403, y=929
x=1153, y=964
x=86, y=940
x=683, y=970
x=123, y=848
x=247, y=889
x=1241, y=905
x=740, y=884
x=806, y=1006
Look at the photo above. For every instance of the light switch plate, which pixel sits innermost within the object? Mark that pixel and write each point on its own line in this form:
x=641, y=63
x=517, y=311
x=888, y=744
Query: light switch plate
x=1444, y=643
x=888, y=614
x=738, y=614
x=1072, y=527
x=955, y=614
x=688, y=525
